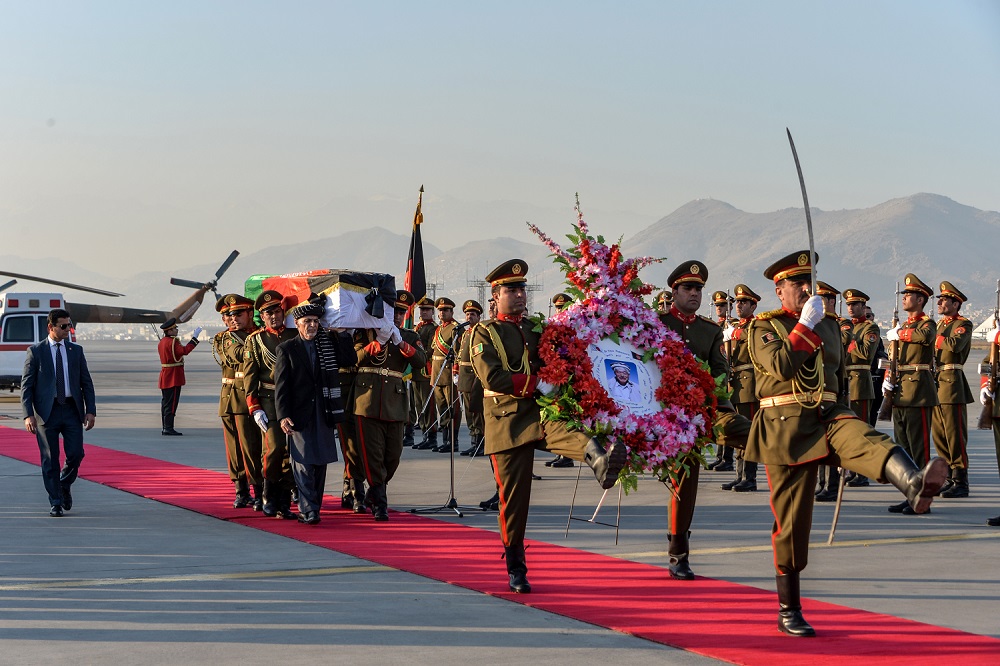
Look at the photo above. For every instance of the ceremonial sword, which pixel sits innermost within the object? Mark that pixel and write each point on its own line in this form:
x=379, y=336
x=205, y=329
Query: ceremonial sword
x=812, y=258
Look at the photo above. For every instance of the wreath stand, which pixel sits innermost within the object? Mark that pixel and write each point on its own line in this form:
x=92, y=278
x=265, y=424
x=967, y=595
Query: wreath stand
x=593, y=519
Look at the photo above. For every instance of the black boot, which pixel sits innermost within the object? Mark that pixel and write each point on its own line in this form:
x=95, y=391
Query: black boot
x=749, y=482
x=284, y=503
x=829, y=494
x=380, y=504
x=948, y=483
x=168, y=427
x=346, y=498
x=430, y=441
x=821, y=480
x=243, y=499
x=358, y=496
x=790, y=618
x=960, y=485
x=918, y=485
x=408, y=435
x=858, y=481
x=270, y=508
x=492, y=504
x=727, y=460
x=562, y=461
x=993, y=522
x=739, y=476
x=258, y=498
x=606, y=464
x=677, y=549
x=517, y=569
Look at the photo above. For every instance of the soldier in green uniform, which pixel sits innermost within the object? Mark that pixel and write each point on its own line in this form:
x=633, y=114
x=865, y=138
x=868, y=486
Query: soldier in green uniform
x=985, y=395
x=380, y=408
x=829, y=477
x=723, y=309
x=915, y=395
x=505, y=358
x=561, y=301
x=259, y=351
x=469, y=385
x=424, y=409
x=950, y=422
x=798, y=356
x=863, y=340
x=442, y=369
x=662, y=301
x=703, y=338
x=741, y=382
x=243, y=441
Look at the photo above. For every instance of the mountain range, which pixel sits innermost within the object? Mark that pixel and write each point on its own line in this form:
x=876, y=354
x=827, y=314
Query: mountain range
x=870, y=249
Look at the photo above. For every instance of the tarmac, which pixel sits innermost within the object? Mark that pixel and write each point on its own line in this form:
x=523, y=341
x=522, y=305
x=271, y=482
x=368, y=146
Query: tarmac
x=126, y=579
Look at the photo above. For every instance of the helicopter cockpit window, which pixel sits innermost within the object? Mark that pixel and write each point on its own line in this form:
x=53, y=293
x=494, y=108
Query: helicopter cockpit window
x=19, y=328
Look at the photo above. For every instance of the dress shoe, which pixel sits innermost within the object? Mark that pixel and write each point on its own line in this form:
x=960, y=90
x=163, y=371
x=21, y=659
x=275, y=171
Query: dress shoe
x=732, y=484
x=725, y=467
x=715, y=463
x=519, y=583
x=56, y=511
x=285, y=513
x=828, y=495
x=67, y=497
x=242, y=501
x=745, y=486
x=258, y=504
x=427, y=444
x=858, y=481
x=269, y=510
x=381, y=514
x=535, y=477
x=492, y=504
x=548, y=463
x=993, y=522
x=908, y=511
x=309, y=518
x=563, y=461
x=170, y=432
x=445, y=448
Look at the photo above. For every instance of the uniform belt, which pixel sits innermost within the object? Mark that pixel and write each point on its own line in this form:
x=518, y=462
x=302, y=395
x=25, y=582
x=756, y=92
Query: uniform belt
x=171, y=365
x=465, y=364
x=952, y=366
x=916, y=366
x=347, y=371
x=228, y=380
x=792, y=398
x=860, y=367
x=496, y=394
x=239, y=375
x=385, y=372
x=741, y=368
x=438, y=357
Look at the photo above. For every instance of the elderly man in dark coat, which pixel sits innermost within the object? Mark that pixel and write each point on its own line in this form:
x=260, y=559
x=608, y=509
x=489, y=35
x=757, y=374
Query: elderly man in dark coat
x=308, y=401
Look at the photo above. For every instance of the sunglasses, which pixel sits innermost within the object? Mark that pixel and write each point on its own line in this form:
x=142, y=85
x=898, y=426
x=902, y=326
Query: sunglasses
x=62, y=327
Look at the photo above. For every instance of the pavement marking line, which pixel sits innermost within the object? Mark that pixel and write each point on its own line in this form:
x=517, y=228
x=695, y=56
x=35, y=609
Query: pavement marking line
x=243, y=575
x=969, y=536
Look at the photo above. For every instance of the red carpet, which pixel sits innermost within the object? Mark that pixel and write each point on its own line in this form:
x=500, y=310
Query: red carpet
x=710, y=617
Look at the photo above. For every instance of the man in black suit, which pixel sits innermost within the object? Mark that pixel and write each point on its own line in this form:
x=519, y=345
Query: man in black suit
x=308, y=402
x=57, y=397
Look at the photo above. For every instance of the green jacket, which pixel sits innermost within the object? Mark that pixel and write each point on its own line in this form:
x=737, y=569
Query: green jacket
x=915, y=387
x=862, y=338
x=952, y=347
x=379, y=392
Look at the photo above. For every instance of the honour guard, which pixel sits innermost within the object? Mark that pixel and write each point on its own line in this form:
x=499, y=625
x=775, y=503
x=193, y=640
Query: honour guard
x=505, y=358
x=258, y=377
x=863, y=343
x=243, y=441
x=425, y=410
x=561, y=301
x=915, y=396
x=741, y=382
x=380, y=404
x=720, y=300
x=468, y=384
x=663, y=301
x=172, y=354
x=703, y=338
x=798, y=357
x=988, y=398
x=950, y=423
x=442, y=369
x=829, y=477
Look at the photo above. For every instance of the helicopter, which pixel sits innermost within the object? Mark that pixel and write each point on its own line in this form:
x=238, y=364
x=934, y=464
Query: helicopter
x=23, y=315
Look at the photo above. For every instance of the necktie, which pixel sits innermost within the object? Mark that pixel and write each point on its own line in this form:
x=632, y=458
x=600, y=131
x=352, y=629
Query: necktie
x=60, y=380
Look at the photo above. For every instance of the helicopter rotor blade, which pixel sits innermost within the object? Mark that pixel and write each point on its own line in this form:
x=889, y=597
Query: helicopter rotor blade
x=7, y=285
x=188, y=283
x=226, y=264
x=68, y=285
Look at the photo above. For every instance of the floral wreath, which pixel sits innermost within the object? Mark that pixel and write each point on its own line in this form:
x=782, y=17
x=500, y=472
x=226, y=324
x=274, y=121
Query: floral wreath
x=608, y=305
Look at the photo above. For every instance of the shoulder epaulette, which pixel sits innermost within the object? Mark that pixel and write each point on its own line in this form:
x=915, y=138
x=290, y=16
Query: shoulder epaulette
x=770, y=314
x=710, y=321
x=253, y=333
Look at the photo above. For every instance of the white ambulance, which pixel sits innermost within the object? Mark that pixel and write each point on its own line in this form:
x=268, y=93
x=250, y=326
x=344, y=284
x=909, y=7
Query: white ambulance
x=23, y=322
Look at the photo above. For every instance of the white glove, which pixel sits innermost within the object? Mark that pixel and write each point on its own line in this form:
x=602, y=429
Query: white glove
x=984, y=394
x=261, y=418
x=812, y=312
x=893, y=334
x=197, y=332
x=727, y=334
x=395, y=337
x=887, y=386
x=383, y=335
x=544, y=387
x=454, y=379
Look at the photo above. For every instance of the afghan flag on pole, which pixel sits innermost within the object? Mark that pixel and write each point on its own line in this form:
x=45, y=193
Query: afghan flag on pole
x=415, y=280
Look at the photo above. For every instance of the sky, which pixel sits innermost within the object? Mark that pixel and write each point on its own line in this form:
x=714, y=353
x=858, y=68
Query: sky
x=146, y=136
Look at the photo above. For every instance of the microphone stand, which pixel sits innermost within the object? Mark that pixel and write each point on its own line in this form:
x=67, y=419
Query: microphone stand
x=451, y=504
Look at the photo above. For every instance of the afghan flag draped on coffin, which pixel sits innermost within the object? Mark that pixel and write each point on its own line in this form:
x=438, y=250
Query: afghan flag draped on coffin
x=354, y=299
